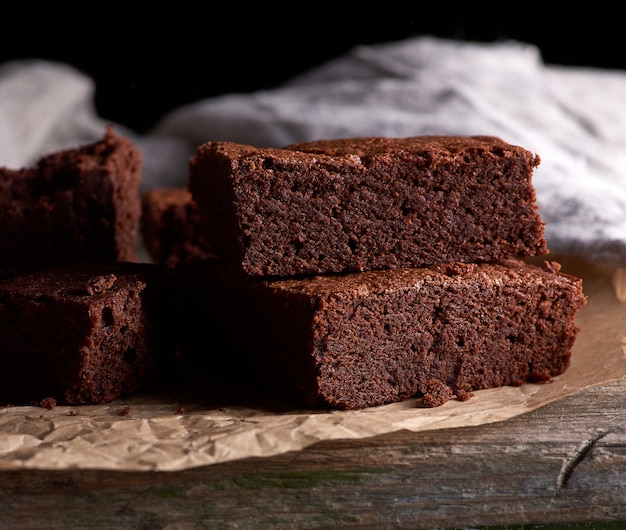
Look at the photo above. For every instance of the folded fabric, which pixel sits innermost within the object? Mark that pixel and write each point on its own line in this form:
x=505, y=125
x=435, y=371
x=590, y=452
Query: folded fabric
x=574, y=118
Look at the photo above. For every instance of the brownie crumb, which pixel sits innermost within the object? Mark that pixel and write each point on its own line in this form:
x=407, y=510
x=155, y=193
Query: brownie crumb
x=437, y=393
x=464, y=394
x=48, y=403
x=125, y=411
x=552, y=266
x=100, y=284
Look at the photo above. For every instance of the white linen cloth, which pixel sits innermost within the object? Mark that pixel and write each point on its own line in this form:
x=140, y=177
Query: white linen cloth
x=574, y=118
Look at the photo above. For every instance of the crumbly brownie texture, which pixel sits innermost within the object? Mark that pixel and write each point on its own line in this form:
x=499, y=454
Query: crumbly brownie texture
x=84, y=334
x=363, y=339
x=170, y=227
x=76, y=205
x=367, y=203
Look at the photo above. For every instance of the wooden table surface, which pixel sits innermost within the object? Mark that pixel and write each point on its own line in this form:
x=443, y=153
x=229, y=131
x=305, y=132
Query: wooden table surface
x=562, y=463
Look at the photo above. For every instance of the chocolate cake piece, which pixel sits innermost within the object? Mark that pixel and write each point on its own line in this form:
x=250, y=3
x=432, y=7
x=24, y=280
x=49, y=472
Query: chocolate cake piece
x=359, y=204
x=170, y=227
x=85, y=333
x=355, y=340
x=75, y=205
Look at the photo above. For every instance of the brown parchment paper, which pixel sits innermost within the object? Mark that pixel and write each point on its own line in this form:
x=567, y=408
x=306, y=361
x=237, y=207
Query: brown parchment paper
x=144, y=432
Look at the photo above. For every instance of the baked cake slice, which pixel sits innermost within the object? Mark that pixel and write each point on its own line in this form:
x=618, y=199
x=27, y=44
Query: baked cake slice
x=359, y=204
x=85, y=333
x=356, y=340
x=76, y=205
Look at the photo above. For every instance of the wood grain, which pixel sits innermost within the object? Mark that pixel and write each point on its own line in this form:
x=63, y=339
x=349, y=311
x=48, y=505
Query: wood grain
x=564, y=462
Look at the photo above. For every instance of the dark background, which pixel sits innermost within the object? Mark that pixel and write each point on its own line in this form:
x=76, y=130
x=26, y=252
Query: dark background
x=145, y=64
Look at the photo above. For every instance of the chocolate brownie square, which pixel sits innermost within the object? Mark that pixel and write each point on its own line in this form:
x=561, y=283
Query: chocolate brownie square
x=360, y=204
x=355, y=340
x=85, y=333
x=170, y=227
x=80, y=204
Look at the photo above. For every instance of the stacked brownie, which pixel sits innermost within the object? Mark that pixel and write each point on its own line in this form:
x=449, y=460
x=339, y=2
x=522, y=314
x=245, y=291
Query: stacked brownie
x=338, y=273
x=357, y=272
x=80, y=321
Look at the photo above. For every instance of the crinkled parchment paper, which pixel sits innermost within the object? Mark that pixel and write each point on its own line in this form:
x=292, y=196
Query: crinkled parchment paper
x=157, y=433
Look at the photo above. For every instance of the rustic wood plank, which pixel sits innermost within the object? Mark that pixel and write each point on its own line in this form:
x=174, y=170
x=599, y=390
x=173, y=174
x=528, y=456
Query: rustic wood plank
x=565, y=462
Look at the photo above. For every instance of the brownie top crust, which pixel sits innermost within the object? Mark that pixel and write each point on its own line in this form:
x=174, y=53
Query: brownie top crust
x=80, y=281
x=355, y=204
x=447, y=274
x=432, y=147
